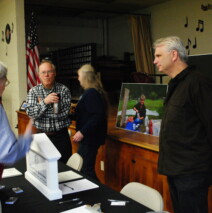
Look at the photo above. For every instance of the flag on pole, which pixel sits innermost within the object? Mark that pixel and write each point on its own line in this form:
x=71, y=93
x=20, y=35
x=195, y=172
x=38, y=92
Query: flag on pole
x=32, y=55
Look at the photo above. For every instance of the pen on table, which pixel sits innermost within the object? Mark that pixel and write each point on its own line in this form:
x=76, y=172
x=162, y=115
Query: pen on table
x=67, y=201
x=68, y=186
x=111, y=200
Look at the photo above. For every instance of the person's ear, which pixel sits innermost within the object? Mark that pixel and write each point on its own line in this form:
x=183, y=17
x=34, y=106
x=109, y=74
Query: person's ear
x=174, y=55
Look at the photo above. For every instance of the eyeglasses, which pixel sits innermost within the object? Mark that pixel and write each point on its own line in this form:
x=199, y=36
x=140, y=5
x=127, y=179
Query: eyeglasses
x=6, y=83
x=47, y=72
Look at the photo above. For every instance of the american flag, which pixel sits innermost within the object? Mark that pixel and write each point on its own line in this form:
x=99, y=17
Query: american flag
x=32, y=55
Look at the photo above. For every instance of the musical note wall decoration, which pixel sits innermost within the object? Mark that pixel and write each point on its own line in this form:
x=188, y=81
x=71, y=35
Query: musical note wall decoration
x=186, y=24
x=189, y=44
x=200, y=26
x=192, y=42
x=195, y=43
x=206, y=7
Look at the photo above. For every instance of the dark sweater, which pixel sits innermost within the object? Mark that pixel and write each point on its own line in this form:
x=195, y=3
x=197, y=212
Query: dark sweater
x=91, y=119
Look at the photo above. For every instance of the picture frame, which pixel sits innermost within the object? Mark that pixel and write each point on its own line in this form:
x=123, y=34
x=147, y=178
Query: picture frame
x=141, y=107
x=23, y=106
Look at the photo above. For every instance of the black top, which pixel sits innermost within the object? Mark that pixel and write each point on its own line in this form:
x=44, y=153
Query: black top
x=186, y=131
x=91, y=118
x=141, y=110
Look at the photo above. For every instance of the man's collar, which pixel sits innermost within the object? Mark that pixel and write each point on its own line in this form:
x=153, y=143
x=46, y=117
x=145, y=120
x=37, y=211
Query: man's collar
x=53, y=86
x=182, y=74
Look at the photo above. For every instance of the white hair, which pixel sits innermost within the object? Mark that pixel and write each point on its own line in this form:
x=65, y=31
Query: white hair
x=173, y=43
x=3, y=70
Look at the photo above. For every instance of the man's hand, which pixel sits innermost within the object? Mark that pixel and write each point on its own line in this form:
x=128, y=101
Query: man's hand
x=135, y=109
x=51, y=98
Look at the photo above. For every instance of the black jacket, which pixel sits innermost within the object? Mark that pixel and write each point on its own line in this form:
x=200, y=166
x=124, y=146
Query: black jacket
x=186, y=131
x=91, y=118
x=141, y=110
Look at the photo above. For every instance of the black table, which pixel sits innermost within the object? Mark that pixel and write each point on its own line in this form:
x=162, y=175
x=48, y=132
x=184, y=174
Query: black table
x=32, y=200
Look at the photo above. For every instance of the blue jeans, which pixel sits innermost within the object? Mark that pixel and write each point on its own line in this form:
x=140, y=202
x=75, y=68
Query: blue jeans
x=189, y=193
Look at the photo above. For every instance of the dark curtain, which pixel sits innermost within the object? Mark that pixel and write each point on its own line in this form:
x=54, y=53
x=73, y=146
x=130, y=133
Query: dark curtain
x=142, y=43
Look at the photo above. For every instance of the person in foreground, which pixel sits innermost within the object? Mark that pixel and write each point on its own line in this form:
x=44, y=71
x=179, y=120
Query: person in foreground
x=185, y=143
x=40, y=106
x=91, y=118
x=12, y=149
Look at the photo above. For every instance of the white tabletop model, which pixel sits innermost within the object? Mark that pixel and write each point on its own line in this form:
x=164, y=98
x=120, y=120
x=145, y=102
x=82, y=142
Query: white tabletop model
x=42, y=167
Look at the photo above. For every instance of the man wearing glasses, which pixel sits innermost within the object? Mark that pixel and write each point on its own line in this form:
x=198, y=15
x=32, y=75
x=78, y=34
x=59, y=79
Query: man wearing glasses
x=11, y=149
x=41, y=102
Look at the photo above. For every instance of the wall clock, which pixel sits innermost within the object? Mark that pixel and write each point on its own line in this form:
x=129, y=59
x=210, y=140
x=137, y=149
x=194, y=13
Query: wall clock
x=7, y=33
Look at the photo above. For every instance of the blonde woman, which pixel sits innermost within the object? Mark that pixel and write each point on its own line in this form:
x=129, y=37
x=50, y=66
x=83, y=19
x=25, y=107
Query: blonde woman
x=91, y=118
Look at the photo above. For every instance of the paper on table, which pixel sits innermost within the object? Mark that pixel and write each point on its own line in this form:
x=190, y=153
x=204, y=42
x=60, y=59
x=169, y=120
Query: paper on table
x=80, y=209
x=10, y=172
x=77, y=186
x=83, y=209
x=68, y=175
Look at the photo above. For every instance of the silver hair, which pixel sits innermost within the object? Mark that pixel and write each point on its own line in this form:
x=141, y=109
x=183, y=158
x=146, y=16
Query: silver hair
x=47, y=61
x=173, y=43
x=3, y=70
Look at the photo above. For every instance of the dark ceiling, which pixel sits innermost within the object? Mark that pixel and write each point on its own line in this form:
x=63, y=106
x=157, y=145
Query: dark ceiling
x=75, y=8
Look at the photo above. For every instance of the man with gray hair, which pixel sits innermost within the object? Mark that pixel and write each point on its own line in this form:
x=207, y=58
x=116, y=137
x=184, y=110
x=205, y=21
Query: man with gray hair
x=185, y=144
x=49, y=105
x=12, y=149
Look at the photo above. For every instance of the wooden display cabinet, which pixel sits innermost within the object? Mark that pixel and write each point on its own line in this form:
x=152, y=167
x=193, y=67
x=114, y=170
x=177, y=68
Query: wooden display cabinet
x=127, y=163
x=23, y=120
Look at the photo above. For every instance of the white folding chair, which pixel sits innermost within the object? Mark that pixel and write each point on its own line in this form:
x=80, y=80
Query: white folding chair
x=143, y=194
x=75, y=162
